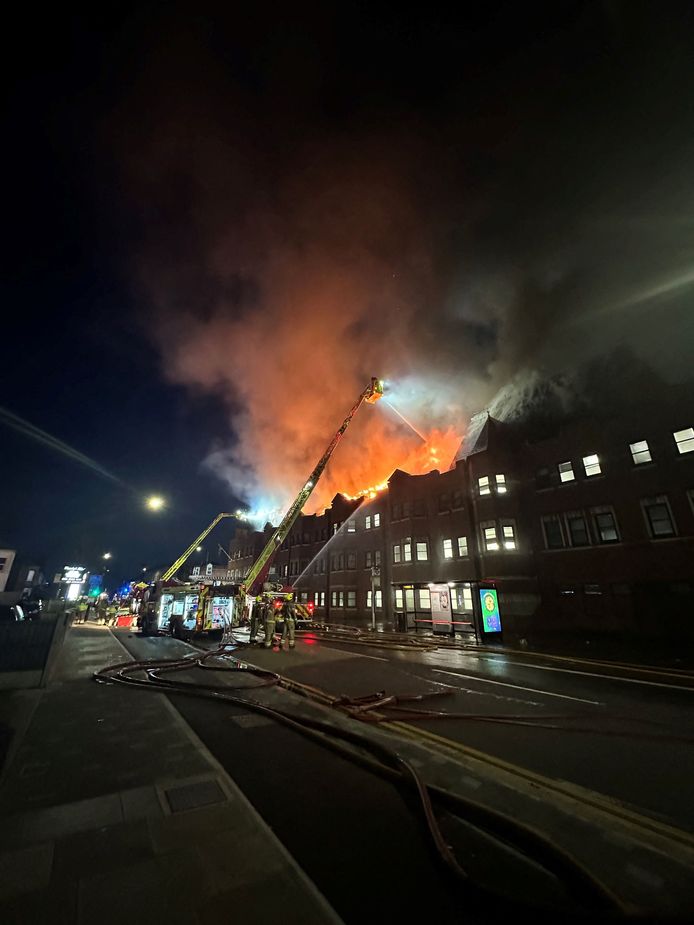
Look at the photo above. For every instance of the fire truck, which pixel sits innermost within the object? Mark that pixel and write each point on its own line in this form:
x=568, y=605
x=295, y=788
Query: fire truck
x=186, y=609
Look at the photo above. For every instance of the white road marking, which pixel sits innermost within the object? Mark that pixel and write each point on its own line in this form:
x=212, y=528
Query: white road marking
x=604, y=677
x=376, y=658
x=518, y=687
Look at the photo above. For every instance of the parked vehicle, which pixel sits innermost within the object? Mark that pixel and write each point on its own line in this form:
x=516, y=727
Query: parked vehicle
x=11, y=613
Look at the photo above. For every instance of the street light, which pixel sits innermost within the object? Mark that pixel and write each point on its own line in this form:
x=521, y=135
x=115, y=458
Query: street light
x=198, y=548
x=155, y=502
x=106, y=555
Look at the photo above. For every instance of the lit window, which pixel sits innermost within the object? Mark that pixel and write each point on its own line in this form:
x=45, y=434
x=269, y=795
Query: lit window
x=351, y=598
x=684, y=440
x=592, y=465
x=396, y=554
x=367, y=522
x=368, y=598
x=461, y=598
x=640, y=452
x=407, y=551
x=377, y=520
x=398, y=598
x=368, y=559
x=605, y=525
x=424, y=599
x=422, y=551
x=578, y=529
x=554, y=535
x=322, y=598
x=462, y=546
x=316, y=598
x=491, y=541
x=566, y=472
x=500, y=484
x=340, y=598
x=448, y=549
x=509, y=536
x=379, y=599
x=333, y=599
x=30, y=574
x=484, y=486
x=658, y=516
x=351, y=526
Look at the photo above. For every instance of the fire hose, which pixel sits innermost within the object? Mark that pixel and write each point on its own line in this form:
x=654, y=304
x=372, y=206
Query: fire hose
x=385, y=762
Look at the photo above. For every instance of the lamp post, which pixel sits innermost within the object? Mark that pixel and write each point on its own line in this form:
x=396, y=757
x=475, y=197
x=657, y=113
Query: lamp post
x=375, y=574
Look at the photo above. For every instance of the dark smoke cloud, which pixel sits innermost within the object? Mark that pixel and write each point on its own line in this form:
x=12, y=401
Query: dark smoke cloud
x=476, y=206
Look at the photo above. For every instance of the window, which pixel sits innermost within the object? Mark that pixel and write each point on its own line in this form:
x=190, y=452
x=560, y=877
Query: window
x=543, y=478
x=592, y=465
x=285, y=570
x=340, y=598
x=396, y=554
x=658, y=516
x=30, y=574
x=407, y=509
x=398, y=598
x=336, y=527
x=444, y=503
x=605, y=525
x=351, y=598
x=554, y=535
x=462, y=546
x=407, y=551
x=368, y=559
x=333, y=563
x=578, y=529
x=379, y=599
x=316, y=598
x=333, y=599
x=367, y=522
x=424, y=599
x=491, y=541
x=351, y=526
x=351, y=560
x=341, y=562
x=396, y=512
x=500, y=484
x=377, y=520
x=420, y=508
x=368, y=598
x=640, y=453
x=684, y=440
x=566, y=472
x=448, y=549
x=483, y=484
x=461, y=598
x=422, y=550
x=508, y=532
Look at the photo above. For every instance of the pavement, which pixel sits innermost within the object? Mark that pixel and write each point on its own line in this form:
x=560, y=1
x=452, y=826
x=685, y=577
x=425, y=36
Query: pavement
x=112, y=809
x=118, y=802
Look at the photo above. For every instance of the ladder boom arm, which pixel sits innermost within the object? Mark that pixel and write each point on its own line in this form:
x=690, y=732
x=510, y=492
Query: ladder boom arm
x=171, y=571
x=371, y=394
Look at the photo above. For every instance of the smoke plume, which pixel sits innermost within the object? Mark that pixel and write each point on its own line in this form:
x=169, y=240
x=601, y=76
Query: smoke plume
x=292, y=242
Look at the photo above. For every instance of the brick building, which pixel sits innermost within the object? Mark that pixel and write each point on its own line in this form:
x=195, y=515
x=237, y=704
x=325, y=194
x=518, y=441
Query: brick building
x=587, y=526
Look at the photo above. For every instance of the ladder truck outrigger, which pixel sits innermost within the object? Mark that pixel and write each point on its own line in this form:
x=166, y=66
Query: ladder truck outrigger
x=185, y=609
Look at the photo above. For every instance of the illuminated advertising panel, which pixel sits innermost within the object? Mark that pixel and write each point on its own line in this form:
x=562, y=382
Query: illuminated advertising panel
x=491, y=617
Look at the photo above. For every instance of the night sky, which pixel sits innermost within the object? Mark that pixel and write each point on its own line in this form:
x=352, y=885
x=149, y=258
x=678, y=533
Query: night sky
x=204, y=212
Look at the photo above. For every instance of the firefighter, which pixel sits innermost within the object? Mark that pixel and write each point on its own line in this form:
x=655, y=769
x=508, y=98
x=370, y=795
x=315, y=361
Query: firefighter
x=289, y=616
x=270, y=619
x=257, y=617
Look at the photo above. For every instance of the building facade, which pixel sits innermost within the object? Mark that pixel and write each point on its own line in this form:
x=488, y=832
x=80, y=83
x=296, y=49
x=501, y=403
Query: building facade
x=588, y=527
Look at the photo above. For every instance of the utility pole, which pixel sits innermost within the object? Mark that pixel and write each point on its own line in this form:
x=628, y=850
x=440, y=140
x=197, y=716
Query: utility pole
x=375, y=574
